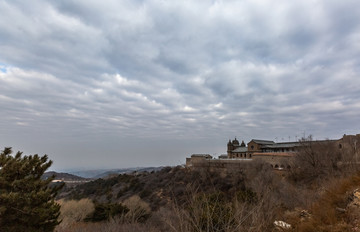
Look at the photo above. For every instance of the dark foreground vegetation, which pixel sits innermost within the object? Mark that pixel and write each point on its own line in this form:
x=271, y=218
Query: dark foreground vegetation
x=320, y=193
x=27, y=201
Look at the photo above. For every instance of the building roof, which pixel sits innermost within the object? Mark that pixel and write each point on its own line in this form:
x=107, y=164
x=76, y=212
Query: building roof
x=259, y=141
x=287, y=154
x=201, y=155
x=282, y=145
x=240, y=149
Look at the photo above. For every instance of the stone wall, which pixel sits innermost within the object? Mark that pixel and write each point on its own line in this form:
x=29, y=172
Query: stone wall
x=276, y=160
x=222, y=166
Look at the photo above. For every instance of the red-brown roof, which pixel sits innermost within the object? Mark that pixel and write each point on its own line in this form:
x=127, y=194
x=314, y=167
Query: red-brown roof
x=288, y=154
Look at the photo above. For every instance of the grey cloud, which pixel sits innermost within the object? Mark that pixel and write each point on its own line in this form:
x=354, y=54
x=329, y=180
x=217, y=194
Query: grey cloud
x=114, y=74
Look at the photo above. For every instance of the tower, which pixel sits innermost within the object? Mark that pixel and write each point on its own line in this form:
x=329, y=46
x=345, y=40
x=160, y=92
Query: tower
x=230, y=147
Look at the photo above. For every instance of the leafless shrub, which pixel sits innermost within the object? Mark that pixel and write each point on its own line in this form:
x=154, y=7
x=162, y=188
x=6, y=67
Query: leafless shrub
x=316, y=160
x=248, y=200
x=221, y=211
x=73, y=211
x=139, y=210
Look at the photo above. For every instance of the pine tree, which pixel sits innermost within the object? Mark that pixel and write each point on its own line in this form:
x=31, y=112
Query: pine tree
x=27, y=202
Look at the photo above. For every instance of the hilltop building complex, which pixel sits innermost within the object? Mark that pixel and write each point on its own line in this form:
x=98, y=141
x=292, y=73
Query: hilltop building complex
x=278, y=155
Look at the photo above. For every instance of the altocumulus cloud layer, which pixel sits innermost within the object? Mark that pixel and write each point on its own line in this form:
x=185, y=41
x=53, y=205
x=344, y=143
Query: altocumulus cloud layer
x=138, y=83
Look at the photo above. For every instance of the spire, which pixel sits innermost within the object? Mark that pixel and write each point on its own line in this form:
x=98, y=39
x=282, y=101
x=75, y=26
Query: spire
x=242, y=144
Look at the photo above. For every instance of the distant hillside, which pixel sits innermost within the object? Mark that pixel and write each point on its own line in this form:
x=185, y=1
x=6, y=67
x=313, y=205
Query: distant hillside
x=101, y=173
x=157, y=188
x=63, y=176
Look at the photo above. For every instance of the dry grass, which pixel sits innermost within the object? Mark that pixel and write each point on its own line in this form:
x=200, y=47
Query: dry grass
x=113, y=225
x=330, y=212
x=74, y=212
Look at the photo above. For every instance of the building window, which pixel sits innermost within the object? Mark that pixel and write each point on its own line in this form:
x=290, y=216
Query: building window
x=252, y=147
x=340, y=146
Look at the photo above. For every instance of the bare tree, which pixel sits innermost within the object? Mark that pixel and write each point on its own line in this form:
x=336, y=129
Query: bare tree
x=316, y=159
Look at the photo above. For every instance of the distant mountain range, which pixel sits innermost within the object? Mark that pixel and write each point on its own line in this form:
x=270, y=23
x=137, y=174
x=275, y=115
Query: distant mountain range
x=63, y=176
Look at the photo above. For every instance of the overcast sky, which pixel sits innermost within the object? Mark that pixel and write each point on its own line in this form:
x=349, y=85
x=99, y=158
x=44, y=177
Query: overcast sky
x=111, y=84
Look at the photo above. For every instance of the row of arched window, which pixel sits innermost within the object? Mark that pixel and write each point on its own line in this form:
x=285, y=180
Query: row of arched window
x=281, y=166
x=240, y=155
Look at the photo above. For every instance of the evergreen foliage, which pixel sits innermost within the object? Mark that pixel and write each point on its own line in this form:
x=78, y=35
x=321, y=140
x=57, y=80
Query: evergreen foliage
x=26, y=200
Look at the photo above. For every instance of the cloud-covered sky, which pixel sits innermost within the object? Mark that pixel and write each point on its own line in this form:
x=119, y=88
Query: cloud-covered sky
x=109, y=84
